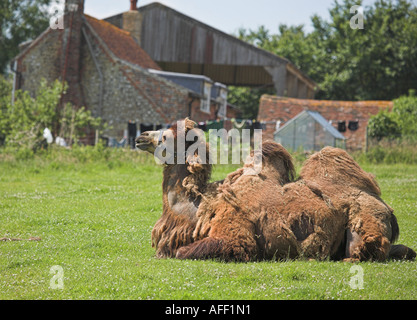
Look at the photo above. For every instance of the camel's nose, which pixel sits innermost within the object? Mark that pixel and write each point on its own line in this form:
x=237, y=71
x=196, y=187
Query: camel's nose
x=149, y=137
x=140, y=138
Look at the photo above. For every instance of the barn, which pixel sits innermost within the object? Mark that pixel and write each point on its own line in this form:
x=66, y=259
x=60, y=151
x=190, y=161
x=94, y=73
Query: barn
x=179, y=43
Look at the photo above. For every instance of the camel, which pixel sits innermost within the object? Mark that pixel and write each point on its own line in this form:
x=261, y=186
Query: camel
x=183, y=187
x=266, y=216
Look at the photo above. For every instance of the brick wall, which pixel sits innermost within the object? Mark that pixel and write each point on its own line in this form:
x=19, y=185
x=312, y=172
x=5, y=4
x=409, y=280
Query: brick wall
x=273, y=108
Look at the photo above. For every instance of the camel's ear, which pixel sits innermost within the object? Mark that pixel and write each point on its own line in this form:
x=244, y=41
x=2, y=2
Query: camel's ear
x=189, y=124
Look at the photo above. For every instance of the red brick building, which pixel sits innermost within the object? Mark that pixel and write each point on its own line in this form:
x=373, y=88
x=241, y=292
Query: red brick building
x=349, y=117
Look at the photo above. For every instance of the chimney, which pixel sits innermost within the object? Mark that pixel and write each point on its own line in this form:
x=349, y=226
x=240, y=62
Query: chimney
x=132, y=21
x=71, y=50
x=133, y=4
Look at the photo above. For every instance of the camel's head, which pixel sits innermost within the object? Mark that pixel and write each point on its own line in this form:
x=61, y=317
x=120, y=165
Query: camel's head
x=165, y=143
x=149, y=141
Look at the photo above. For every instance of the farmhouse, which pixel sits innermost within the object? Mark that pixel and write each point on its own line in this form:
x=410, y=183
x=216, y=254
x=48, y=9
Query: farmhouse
x=350, y=118
x=111, y=75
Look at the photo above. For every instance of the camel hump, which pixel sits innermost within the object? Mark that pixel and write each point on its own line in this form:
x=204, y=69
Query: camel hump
x=276, y=153
x=337, y=167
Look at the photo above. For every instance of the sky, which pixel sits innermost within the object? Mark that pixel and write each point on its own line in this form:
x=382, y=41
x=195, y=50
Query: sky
x=230, y=15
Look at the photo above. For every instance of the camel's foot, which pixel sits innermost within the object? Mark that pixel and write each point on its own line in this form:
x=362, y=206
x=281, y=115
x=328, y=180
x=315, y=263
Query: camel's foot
x=401, y=252
x=366, y=247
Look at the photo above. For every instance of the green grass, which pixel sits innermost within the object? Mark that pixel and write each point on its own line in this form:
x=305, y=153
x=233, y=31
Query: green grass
x=95, y=219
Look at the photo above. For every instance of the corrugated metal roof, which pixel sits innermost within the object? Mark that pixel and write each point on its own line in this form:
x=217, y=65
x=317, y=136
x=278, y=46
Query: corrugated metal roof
x=180, y=43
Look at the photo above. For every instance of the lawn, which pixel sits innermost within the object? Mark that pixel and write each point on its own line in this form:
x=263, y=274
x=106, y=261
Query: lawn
x=95, y=217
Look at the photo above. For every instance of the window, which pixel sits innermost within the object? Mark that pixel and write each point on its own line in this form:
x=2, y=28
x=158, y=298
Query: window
x=205, y=101
x=222, y=100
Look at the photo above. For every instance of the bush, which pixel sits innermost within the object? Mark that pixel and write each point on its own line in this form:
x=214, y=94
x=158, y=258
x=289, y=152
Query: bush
x=22, y=123
x=400, y=122
x=383, y=126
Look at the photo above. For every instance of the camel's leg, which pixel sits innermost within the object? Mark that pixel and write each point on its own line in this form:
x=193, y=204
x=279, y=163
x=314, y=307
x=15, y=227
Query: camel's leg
x=366, y=243
x=212, y=248
x=401, y=252
x=353, y=241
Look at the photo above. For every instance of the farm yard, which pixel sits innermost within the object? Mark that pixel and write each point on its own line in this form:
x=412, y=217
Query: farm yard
x=93, y=210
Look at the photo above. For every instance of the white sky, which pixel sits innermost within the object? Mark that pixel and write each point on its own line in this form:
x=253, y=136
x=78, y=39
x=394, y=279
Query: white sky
x=230, y=15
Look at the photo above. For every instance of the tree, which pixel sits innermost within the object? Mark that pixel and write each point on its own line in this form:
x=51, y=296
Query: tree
x=247, y=99
x=404, y=113
x=20, y=21
x=378, y=62
x=383, y=125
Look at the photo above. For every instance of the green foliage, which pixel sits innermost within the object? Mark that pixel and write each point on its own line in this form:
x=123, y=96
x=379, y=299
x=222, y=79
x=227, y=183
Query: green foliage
x=378, y=62
x=390, y=153
x=5, y=90
x=405, y=114
x=20, y=21
x=383, y=125
x=22, y=123
x=401, y=122
x=247, y=99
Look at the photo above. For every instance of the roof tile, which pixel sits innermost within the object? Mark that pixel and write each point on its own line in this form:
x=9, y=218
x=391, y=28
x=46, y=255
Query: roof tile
x=122, y=44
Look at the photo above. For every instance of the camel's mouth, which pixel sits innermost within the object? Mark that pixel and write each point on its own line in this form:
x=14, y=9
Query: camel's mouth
x=143, y=144
x=147, y=141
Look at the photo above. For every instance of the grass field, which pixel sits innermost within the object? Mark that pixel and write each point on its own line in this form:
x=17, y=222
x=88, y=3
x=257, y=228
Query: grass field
x=95, y=217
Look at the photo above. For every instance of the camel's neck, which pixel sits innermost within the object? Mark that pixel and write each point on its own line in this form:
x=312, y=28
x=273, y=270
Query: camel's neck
x=182, y=190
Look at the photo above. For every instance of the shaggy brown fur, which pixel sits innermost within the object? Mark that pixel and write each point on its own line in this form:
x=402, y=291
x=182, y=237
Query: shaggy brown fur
x=265, y=217
x=372, y=226
x=183, y=187
x=334, y=211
